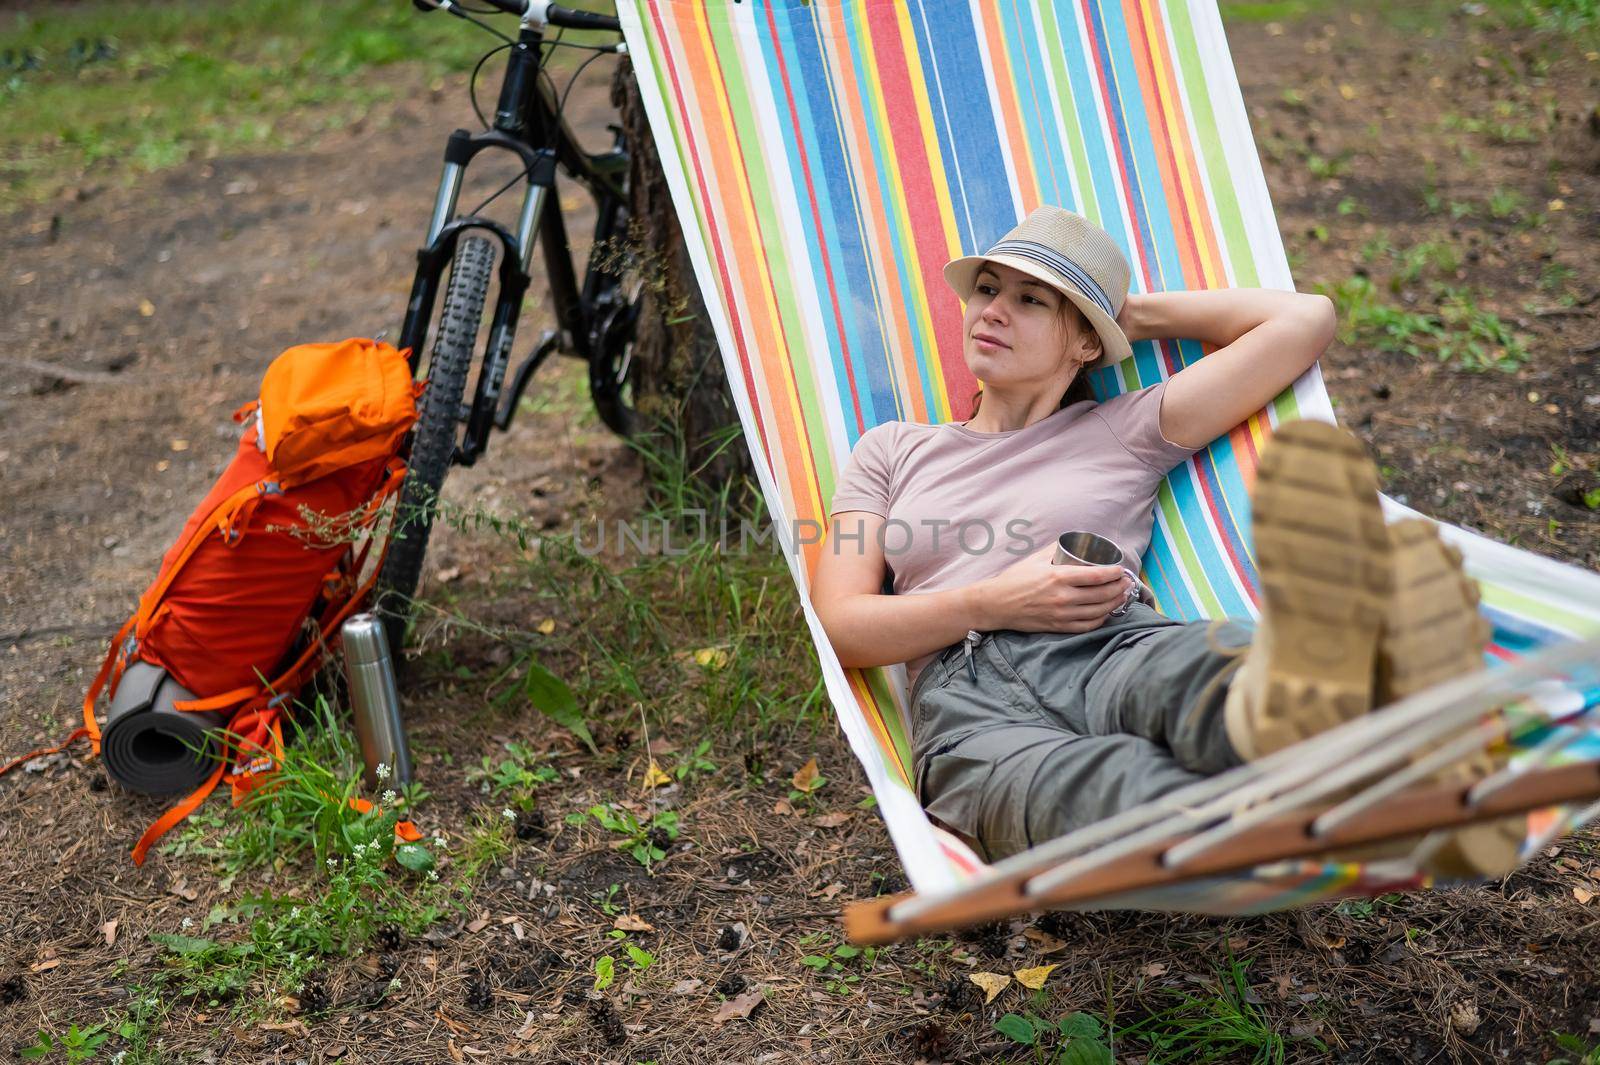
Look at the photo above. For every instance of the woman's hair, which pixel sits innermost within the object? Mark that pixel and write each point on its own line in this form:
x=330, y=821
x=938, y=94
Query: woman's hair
x=1079, y=389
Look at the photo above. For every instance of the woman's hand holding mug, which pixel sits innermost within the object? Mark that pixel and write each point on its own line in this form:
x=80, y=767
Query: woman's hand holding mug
x=1034, y=595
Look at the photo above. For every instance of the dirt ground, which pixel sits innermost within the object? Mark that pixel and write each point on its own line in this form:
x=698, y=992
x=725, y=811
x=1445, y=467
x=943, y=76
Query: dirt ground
x=132, y=323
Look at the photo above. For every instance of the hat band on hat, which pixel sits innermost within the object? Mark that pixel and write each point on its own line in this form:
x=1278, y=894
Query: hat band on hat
x=1048, y=256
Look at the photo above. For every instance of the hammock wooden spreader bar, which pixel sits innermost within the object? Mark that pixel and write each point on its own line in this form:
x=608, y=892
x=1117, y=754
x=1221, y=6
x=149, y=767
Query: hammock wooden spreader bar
x=1289, y=836
x=1063, y=874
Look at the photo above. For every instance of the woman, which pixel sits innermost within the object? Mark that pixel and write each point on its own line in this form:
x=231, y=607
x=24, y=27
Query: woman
x=1048, y=697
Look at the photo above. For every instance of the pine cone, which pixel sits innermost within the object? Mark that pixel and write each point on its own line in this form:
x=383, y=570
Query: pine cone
x=959, y=994
x=1055, y=923
x=13, y=989
x=605, y=1018
x=929, y=1040
x=314, y=995
x=731, y=985
x=990, y=939
x=480, y=993
x=389, y=938
x=531, y=825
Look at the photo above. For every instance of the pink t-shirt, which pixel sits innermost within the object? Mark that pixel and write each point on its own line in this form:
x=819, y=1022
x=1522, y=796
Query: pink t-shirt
x=960, y=506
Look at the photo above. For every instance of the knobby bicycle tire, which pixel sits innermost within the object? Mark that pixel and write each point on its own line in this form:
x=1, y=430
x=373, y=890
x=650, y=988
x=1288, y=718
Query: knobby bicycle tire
x=433, y=441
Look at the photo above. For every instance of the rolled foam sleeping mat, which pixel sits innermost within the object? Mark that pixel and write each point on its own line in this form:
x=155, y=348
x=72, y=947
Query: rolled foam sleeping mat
x=151, y=748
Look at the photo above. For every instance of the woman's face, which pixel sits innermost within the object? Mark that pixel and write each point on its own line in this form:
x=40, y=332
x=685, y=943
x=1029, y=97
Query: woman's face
x=1022, y=335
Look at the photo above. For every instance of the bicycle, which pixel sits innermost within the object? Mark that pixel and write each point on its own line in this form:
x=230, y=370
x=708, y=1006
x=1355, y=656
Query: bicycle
x=595, y=323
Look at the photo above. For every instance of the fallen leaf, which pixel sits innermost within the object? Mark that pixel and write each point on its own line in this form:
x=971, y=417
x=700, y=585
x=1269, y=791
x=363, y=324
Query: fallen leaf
x=835, y=819
x=109, y=930
x=183, y=890
x=1033, y=979
x=480, y=924
x=739, y=1007
x=806, y=777
x=831, y=890
x=659, y=745
x=655, y=776
x=991, y=983
x=687, y=987
x=1583, y=895
x=454, y=1053
x=712, y=658
x=1044, y=942
x=547, y=626
x=146, y=308
x=632, y=922
x=448, y=574
x=1155, y=968
x=783, y=808
x=44, y=966
x=179, y=445
x=518, y=931
x=1347, y=91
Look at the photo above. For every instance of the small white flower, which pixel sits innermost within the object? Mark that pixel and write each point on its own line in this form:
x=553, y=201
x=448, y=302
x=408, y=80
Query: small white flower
x=381, y=771
x=509, y=814
x=438, y=841
x=333, y=863
x=188, y=922
x=394, y=983
x=433, y=874
x=389, y=796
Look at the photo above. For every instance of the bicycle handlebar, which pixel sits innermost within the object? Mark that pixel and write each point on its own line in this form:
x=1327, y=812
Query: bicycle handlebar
x=553, y=14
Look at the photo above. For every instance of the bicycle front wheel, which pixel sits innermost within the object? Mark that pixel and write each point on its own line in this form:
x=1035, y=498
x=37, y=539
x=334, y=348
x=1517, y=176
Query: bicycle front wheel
x=433, y=441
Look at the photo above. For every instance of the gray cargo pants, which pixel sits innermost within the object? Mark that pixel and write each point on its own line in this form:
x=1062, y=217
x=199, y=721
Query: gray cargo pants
x=1061, y=730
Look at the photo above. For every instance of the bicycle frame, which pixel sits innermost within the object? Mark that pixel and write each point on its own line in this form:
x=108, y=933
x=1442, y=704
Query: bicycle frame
x=527, y=124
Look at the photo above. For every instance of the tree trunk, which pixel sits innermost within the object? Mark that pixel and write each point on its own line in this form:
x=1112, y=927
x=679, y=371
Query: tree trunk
x=681, y=388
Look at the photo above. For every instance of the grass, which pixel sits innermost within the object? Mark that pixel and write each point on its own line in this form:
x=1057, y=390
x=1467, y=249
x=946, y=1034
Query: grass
x=1563, y=22
x=107, y=92
x=1459, y=333
x=307, y=810
x=1225, y=1025
x=352, y=880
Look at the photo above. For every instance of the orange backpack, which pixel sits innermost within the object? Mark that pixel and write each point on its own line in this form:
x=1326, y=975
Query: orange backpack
x=282, y=539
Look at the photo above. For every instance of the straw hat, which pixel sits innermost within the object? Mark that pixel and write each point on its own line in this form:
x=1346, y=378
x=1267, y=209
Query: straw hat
x=1070, y=254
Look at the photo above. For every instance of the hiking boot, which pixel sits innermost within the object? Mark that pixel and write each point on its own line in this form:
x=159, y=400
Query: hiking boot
x=1323, y=555
x=1432, y=633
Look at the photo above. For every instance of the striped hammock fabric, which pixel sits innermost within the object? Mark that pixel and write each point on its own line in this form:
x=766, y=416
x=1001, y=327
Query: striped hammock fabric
x=828, y=157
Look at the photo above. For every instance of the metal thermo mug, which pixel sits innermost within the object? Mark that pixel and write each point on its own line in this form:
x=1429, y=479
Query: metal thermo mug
x=1092, y=549
x=1086, y=549
x=375, y=701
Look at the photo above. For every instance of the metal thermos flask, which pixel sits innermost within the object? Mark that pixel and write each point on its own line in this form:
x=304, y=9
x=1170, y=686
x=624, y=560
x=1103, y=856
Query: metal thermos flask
x=375, y=701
